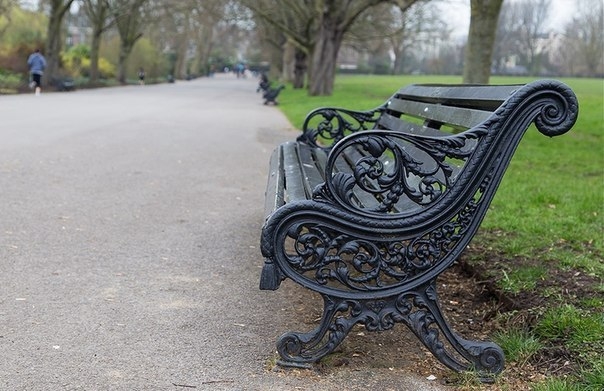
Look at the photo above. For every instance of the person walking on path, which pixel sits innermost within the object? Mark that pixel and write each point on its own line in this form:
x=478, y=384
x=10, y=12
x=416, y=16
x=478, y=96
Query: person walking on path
x=37, y=64
x=141, y=76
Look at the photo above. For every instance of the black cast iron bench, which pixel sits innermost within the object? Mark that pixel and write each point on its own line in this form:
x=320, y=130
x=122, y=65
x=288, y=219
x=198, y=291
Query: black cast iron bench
x=269, y=92
x=63, y=83
x=369, y=208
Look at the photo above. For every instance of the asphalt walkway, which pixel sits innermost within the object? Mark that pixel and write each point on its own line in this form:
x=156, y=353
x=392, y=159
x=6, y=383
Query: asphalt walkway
x=129, y=231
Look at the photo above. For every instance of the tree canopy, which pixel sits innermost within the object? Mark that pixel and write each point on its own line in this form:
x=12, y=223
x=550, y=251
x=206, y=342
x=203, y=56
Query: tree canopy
x=306, y=42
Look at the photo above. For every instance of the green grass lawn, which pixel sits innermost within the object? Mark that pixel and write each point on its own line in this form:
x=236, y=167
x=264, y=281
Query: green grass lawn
x=548, y=212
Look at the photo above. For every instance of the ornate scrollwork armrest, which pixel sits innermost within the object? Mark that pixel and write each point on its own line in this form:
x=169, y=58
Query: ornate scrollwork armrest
x=385, y=172
x=326, y=126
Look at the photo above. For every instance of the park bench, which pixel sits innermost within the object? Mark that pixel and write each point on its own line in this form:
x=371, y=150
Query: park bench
x=369, y=208
x=269, y=93
x=63, y=83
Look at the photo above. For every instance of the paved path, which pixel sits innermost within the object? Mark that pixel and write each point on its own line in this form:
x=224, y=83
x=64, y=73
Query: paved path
x=129, y=230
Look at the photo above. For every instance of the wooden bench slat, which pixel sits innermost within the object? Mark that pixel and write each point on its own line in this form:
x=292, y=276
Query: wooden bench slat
x=274, y=196
x=294, y=182
x=485, y=97
x=456, y=116
x=310, y=164
x=390, y=122
x=320, y=157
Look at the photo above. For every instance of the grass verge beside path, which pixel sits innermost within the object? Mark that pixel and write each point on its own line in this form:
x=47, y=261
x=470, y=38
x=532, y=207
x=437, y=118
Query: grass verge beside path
x=540, y=247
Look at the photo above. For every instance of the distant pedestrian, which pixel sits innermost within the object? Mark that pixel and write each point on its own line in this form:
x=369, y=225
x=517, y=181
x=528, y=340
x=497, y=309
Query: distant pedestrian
x=240, y=70
x=141, y=76
x=37, y=64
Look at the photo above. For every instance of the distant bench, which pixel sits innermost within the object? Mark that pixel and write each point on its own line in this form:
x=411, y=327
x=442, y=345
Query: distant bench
x=269, y=93
x=369, y=208
x=64, y=83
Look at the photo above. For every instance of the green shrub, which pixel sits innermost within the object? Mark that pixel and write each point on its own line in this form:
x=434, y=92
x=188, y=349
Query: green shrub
x=10, y=82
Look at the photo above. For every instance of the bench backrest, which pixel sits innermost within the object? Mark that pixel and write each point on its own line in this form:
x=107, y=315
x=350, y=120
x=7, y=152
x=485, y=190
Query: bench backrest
x=433, y=146
x=441, y=109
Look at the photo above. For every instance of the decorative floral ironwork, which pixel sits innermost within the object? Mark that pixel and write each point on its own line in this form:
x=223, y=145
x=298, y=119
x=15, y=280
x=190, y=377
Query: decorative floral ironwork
x=324, y=255
x=326, y=126
x=395, y=167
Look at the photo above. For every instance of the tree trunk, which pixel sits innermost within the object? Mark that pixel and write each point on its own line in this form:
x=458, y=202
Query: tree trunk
x=294, y=64
x=398, y=52
x=324, y=56
x=182, y=67
x=481, y=38
x=53, y=40
x=53, y=49
x=300, y=65
x=122, y=63
x=276, y=61
x=128, y=19
x=288, y=61
x=205, y=50
x=94, y=56
x=97, y=13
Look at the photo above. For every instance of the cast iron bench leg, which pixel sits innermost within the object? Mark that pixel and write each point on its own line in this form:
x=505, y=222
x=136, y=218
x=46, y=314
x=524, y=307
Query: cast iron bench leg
x=427, y=322
x=418, y=310
x=301, y=349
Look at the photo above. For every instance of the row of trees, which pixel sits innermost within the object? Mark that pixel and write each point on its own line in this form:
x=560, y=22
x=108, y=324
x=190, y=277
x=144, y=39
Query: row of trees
x=303, y=38
x=316, y=29
x=173, y=28
x=504, y=36
x=524, y=38
x=130, y=19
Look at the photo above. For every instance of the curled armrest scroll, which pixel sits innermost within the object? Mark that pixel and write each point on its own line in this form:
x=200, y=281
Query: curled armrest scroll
x=326, y=126
x=551, y=104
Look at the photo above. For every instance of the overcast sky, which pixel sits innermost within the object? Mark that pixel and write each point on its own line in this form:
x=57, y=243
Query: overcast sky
x=560, y=13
